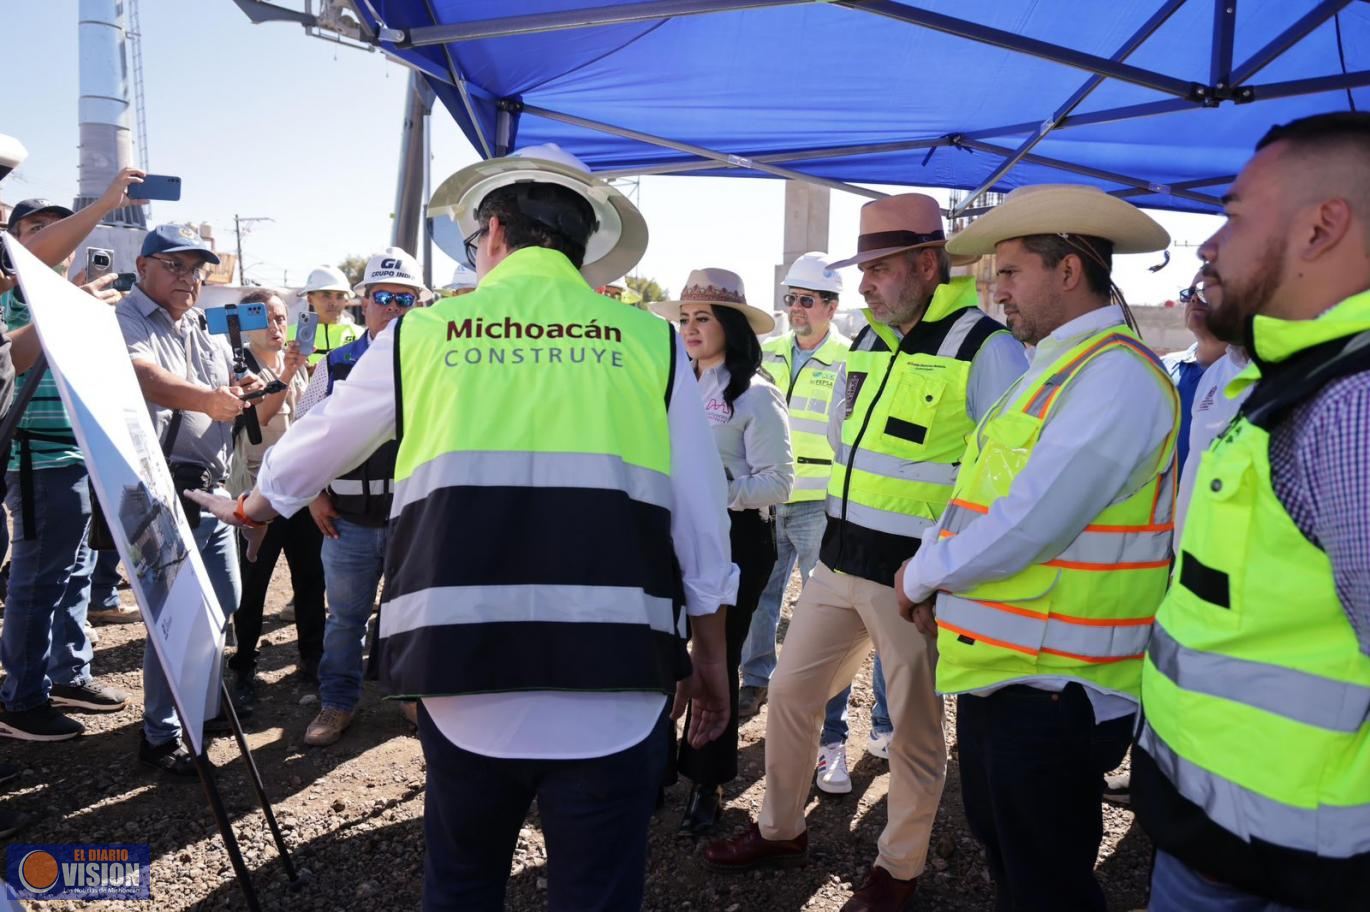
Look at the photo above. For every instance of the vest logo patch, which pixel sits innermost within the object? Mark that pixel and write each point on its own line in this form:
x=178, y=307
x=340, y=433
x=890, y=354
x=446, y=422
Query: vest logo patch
x=854, y=382
x=509, y=329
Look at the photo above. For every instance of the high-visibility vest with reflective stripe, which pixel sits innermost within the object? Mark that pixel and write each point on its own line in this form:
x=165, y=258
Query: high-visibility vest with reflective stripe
x=327, y=337
x=362, y=494
x=530, y=537
x=1256, y=692
x=808, y=395
x=905, y=428
x=1086, y=612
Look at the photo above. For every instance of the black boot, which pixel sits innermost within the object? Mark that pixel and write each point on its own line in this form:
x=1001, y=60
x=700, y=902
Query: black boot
x=702, y=809
x=244, y=689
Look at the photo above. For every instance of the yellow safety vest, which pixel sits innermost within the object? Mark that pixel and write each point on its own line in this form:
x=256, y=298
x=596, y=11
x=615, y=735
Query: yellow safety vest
x=1256, y=693
x=808, y=396
x=905, y=428
x=1085, y=613
x=530, y=535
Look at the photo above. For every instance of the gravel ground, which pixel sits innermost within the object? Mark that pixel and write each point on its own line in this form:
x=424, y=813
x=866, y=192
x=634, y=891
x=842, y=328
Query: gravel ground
x=352, y=813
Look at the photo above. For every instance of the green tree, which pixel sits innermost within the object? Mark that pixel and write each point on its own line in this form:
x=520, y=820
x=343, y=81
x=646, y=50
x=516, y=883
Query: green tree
x=648, y=288
x=354, y=267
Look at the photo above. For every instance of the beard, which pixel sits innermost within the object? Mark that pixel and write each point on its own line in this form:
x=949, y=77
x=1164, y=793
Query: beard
x=1239, y=300
x=912, y=303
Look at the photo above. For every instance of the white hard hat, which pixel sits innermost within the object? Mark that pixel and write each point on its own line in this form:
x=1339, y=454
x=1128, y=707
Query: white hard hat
x=12, y=154
x=392, y=266
x=325, y=278
x=812, y=271
x=464, y=277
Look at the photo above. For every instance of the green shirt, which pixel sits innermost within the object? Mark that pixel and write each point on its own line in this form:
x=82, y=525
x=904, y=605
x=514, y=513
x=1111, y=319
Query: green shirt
x=45, y=414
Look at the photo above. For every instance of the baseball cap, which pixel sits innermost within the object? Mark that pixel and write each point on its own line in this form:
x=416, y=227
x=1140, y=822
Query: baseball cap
x=25, y=208
x=176, y=239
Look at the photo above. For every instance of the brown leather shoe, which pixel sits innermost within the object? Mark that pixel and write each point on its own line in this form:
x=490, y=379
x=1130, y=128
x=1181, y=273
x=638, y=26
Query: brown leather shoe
x=882, y=893
x=752, y=850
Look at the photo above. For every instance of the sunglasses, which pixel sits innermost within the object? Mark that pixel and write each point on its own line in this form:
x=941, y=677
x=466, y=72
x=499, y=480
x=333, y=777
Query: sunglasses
x=805, y=301
x=405, y=299
x=1193, y=293
x=470, y=243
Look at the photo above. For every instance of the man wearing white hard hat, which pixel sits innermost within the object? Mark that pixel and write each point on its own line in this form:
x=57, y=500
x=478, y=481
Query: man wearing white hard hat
x=463, y=281
x=559, y=507
x=328, y=294
x=1043, y=576
x=353, y=512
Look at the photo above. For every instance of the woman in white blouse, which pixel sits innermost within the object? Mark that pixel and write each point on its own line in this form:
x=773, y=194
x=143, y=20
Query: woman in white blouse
x=751, y=427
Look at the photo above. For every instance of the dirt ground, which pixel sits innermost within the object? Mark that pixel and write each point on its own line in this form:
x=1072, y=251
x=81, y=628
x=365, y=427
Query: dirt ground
x=353, y=813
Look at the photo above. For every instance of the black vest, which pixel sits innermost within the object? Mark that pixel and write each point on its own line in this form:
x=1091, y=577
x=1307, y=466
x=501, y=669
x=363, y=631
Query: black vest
x=363, y=494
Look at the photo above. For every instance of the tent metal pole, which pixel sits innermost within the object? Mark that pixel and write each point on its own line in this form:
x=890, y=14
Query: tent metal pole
x=460, y=82
x=1354, y=80
x=1021, y=43
x=1181, y=185
x=1224, y=27
x=1108, y=115
x=619, y=14
x=1137, y=40
x=1287, y=39
x=1097, y=173
x=735, y=161
x=772, y=158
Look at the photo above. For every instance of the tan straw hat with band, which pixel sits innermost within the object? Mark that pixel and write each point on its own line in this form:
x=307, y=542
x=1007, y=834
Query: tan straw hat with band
x=907, y=221
x=1062, y=209
x=718, y=288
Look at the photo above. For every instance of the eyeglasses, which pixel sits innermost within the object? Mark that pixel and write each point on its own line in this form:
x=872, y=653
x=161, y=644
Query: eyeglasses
x=1193, y=293
x=805, y=301
x=405, y=299
x=471, y=242
x=197, y=273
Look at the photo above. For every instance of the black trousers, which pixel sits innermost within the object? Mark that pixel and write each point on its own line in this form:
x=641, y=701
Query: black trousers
x=753, y=550
x=302, y=543
x=1032, y=771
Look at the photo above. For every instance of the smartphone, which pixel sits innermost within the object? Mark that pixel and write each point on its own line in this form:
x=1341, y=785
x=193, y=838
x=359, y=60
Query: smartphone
x=250, y=317
x=156, y=187
x=99, y=262
x=125, y=281
x=306, y=330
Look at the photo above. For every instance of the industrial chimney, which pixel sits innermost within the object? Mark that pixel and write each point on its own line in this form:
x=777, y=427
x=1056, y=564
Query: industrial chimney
x=106, y=142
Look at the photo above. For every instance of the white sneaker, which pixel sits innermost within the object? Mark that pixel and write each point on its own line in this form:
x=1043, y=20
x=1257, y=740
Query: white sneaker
x=831, y=775
x=879, y=744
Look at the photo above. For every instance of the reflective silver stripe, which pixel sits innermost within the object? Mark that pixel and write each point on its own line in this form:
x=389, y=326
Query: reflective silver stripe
x=445, y=605
x=956, y=518
x=938, y=473
x=1338, y=706
x=880, y=520
x=1165, y=500
x=812, y=482
x=1109, y=548
x=534, y=470
x=1328, y=831
x=809, y=426
x=805, y=404
x=956, y=336
x=354, y=487
x=1046, y=633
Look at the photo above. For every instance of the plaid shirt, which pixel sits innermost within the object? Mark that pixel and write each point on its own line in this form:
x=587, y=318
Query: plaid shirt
x=1320, y=469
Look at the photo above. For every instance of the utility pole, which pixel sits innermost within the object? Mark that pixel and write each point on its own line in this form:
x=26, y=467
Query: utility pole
x=238, y=223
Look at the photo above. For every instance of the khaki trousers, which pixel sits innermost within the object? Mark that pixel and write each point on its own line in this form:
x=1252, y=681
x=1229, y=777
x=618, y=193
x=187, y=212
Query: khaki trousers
x=834, y=623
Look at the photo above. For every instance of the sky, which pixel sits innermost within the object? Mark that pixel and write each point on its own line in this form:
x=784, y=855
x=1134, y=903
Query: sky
x=267, y=122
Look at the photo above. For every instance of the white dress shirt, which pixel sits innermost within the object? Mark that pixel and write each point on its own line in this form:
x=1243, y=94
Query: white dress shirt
x=1213, y=411
x=1099, y=446
x=753, y=440
x=359, y=416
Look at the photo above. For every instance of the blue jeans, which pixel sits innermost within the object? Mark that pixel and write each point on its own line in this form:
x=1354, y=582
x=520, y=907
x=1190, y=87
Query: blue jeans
x=595, y=816
x=353, y=564
x=44, y=639
x=798, y=535
x=218, y=549
x=835, y=714
x=104, y=581
x=1176, y=887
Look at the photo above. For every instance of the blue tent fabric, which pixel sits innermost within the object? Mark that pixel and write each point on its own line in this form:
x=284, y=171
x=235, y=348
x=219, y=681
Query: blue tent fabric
x=781, y=80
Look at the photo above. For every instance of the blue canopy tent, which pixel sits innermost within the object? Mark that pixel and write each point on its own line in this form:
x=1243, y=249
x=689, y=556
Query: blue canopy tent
x=1159, y=101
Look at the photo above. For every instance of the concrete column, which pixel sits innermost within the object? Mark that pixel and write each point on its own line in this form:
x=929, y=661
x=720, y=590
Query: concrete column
x=806, y=227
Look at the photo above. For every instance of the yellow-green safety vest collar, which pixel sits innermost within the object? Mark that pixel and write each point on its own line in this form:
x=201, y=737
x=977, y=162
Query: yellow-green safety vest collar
x=541, y=262
x=1277, y=340
x=830, y=352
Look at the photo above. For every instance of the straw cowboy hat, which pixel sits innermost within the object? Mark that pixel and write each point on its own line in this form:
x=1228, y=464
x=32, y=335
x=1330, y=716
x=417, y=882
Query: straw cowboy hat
x=618, y=239
x=720, y=288
x=907, y=221
x=1062, y=209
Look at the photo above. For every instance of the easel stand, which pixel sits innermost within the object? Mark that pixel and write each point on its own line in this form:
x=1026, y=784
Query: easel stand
x=206, y=769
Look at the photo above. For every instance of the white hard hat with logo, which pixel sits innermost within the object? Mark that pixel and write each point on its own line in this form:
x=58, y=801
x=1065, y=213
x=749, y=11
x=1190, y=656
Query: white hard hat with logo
x=463, y=277
x=618, y=238
x=812, y=271
x=392, y=266
x=325, y=278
